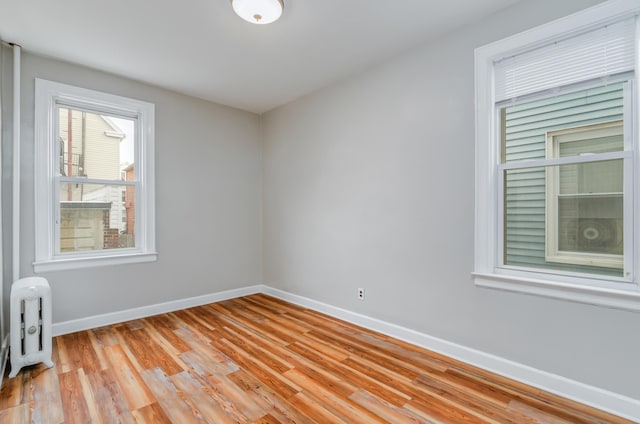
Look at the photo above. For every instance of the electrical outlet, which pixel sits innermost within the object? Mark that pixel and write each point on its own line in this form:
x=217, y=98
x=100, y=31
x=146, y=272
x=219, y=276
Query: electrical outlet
x=361, y=294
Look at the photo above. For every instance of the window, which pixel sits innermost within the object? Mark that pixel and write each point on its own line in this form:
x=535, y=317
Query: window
x=94, y=178
x=557, y=154
x=565, y=217
x=584, y=202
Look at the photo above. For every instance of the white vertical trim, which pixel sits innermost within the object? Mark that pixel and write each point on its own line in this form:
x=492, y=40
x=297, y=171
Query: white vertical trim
x=16, y=163
x=1, y=226
x=4, y=346
x=500, y=205
x=635, y=134
x=45, y=124
x=486, y=200
x=146, y=169
x=630, y=193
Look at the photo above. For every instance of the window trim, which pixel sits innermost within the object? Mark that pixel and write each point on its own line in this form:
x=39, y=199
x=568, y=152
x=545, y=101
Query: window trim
x=552, y=252
x=47, y=94
x=608, y=292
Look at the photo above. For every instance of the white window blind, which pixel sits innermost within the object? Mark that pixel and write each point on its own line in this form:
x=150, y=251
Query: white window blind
x=602, y=52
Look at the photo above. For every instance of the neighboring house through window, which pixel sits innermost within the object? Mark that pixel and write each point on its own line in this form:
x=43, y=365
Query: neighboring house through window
x=86, y=141
x=584, y=205
x=557, y=154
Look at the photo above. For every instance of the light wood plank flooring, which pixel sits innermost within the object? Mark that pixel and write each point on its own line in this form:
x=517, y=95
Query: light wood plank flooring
x=258, y=359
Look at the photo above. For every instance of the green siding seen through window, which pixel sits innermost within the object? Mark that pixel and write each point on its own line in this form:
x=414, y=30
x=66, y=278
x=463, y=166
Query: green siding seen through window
x=526, y=128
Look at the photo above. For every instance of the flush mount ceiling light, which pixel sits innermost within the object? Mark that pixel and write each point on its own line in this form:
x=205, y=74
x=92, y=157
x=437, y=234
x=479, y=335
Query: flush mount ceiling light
x=258, y=11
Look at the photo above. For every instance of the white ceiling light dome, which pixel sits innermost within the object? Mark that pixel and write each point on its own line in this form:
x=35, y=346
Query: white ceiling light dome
x=259, y=12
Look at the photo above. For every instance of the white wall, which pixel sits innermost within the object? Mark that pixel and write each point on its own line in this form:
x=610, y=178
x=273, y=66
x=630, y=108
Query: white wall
x=370, y=183
x=208, y=187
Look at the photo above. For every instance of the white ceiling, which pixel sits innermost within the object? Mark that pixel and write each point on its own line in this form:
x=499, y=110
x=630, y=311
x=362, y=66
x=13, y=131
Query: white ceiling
x=201, y=48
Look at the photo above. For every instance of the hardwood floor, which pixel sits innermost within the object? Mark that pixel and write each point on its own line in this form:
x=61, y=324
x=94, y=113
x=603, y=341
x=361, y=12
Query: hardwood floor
x=258, y=359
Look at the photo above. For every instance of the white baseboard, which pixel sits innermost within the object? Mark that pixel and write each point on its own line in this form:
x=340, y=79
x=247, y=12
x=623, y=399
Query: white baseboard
x=96, y=321
x=602, y=399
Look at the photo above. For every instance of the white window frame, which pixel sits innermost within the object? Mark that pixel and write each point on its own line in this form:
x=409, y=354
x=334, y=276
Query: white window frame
x=621, y=293
x=48, y=95
x=552, y=251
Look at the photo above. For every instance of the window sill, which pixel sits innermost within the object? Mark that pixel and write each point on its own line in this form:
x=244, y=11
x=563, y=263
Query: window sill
x=628, y=300
x=94, y=261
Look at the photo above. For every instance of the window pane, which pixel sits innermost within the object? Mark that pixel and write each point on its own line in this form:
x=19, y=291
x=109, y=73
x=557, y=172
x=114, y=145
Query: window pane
x=591, y=178
x=588, y=178
x=94, y=146
x=569, y=217
x=586, y=121
x=592, y=139
x=524, y=226
x=590, y=207
x=577, y=232
x=590, y=224
x=95, y=217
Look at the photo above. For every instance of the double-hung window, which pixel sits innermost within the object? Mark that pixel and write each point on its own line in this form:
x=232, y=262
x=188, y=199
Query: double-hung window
x=94, y=179
x=558, y=159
